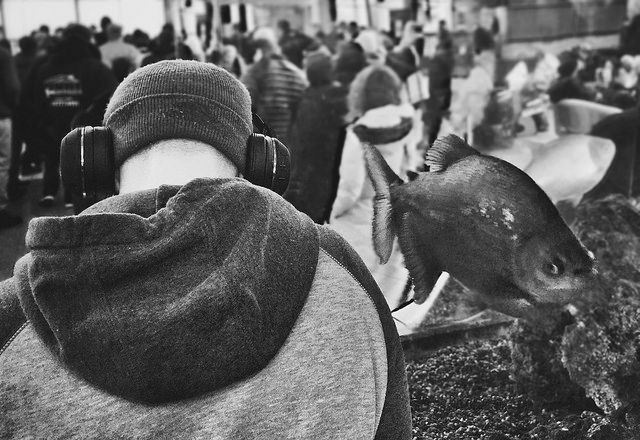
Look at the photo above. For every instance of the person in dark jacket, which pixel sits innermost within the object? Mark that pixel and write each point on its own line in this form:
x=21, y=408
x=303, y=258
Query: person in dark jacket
x=69, y=81
x=623, y=175
x=194, y=304
x=22, y=130
x=9, y=92
x=293, y=43
x=101, y=37
x=316, y=140
x=162, y=47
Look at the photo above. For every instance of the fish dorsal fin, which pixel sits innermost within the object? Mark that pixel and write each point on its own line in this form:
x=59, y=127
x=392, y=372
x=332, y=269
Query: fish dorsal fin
x=447, y=150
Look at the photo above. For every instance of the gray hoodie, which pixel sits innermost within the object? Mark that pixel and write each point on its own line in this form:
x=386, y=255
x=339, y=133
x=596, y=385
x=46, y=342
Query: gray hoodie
x=212, y=310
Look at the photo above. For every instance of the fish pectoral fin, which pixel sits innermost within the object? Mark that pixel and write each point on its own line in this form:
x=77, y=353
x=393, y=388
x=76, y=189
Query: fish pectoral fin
x=423, y=269
x=447, y=150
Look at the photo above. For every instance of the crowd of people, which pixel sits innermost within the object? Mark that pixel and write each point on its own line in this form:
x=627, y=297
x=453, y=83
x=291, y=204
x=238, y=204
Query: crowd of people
x=310, y=90
x=323, y=96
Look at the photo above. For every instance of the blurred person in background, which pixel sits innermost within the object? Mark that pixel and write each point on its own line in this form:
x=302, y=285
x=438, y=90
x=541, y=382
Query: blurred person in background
x=4, y=42
x=115, y=48
x=161, y=47
x=568, y=85
x=102, y=36
x=316, y=140
x=404, y=58
x=293, y=43
x=348, y=62
x=623, y=175
x=384, y=121
x=275, y=84
x=9, y=93
x=545, y=72
x=229, y=59
x=373, y=46
x=69, y=81
x=23, y=128
x=140, y=39
x=472, y=97
x=36, y=138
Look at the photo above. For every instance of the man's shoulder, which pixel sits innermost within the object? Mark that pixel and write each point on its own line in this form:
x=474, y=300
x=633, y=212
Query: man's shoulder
x=11, y=316
x=342, y=253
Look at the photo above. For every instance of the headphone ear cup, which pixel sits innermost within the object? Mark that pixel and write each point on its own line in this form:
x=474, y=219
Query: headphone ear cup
x=70, y=166
x=283, y=167
x=99, y=165
x=87, y=165
x=268, y=163
x=256, y=168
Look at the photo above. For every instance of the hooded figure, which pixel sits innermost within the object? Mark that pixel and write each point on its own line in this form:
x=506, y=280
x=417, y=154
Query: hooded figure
x=386, y=123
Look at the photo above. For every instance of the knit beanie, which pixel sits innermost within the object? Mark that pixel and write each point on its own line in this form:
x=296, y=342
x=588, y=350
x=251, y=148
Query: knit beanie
x=180, y=99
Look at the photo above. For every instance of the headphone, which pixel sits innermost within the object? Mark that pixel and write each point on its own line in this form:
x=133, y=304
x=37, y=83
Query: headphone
x=88, y=171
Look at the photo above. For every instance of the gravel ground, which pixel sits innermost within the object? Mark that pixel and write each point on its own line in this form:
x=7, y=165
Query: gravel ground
x=465, y=392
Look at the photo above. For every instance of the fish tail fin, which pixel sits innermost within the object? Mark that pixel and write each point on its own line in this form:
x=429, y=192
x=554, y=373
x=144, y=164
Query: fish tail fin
x=382, y=177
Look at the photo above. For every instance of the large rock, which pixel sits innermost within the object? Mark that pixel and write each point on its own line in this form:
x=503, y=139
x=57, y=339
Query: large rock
x=594, y=352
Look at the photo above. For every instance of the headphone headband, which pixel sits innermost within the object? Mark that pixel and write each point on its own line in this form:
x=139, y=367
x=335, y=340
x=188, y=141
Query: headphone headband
x=87, y=165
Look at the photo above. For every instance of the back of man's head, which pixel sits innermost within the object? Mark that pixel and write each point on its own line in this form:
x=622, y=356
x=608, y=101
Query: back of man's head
x=105, y=22
x=284, y=26
x=179, y=99
x=114, y=32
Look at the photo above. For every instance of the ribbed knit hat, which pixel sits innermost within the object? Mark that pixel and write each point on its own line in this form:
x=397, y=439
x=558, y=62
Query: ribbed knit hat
x=180, y=99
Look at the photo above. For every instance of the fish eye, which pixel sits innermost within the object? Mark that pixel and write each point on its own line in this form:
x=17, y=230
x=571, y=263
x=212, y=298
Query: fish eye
x=554, y=267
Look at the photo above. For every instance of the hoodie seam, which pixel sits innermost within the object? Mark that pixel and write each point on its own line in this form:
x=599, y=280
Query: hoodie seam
x=349, y=272
x=13, y=337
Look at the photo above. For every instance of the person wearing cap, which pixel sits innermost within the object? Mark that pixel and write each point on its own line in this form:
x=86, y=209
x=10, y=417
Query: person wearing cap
x=194, y=304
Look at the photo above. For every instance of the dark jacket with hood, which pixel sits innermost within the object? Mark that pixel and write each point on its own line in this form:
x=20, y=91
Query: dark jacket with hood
x=317, y=136
x=9, y=84
x=623, y=175
x=211, y=310
x=68, y=81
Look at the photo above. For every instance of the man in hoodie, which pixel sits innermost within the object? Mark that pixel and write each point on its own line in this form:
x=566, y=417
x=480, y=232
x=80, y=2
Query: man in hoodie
x=69, y=81
x=194, y=304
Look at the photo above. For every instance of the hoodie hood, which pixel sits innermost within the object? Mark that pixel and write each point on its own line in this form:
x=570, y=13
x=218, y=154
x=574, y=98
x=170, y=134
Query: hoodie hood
x=385, y=125
x=170, y=293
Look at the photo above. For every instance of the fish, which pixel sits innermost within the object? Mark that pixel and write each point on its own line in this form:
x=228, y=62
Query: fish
x=483, y=221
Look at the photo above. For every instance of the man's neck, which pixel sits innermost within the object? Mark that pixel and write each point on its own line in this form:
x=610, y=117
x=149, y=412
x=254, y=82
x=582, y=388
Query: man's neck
x=173, y=162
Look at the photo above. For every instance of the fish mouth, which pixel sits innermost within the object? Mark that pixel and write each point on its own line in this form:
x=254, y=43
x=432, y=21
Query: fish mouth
x=548, y=309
